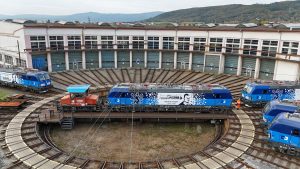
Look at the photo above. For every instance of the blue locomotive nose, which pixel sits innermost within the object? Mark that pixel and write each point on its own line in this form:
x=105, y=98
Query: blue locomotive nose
x=275, y=107
x=284, y=132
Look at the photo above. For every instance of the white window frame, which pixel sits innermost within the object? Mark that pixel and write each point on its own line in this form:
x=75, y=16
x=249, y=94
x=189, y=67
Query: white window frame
x=233, y=46
x=253, y=47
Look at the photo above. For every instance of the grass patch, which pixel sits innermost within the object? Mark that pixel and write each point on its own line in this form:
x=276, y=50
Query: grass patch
x=3, y=95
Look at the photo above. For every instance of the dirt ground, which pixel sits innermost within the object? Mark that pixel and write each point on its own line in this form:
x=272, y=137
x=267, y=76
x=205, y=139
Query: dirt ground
x=150, y=141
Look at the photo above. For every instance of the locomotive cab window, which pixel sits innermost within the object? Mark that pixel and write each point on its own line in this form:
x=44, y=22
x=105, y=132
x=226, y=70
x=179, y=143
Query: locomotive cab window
x=31, y=78
x=24, y=77
x=265, y=91
x=217, y=96
x=295, y=132
x=42, y=77
x=123, y=95
x=47, y=76
x=77, y=95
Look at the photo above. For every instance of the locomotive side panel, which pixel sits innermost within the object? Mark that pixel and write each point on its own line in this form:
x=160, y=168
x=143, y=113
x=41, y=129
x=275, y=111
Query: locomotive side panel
x=9, y=78
x=220, y=99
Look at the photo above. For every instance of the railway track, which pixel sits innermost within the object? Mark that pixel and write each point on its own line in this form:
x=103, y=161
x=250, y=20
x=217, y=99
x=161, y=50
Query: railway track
x=230, y=149
x=240, y=144
x=42, y=145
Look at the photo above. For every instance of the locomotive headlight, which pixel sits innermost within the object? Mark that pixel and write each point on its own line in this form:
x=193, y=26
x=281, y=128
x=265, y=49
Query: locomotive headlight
x=42, y=84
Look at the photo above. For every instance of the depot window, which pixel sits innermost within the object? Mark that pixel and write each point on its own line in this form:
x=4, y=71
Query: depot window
x=153, y=42
x=56, y=42
x=123, y=42
x=232, y=45
x=74, y=42
x=269, y=48
x=107, y=42
x=8, y=59
x=168, y=43
x=215, y=44
x=183, y=43
x=38, y=43
x=21, y=62
x=199, y=44
x=91, y=42
x=138, y=42
x=250, y=47
x=290, y=48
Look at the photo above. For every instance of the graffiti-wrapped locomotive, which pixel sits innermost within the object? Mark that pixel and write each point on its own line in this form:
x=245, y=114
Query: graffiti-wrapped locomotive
x=170, y=95
x=34, y=80
x=155, y=97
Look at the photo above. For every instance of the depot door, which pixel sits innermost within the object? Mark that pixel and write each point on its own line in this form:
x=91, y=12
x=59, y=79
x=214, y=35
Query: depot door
x=248, y=66
x=231, y=64
x=40, y=62
x=198, y=62
x=266, y=69
x=212, y=64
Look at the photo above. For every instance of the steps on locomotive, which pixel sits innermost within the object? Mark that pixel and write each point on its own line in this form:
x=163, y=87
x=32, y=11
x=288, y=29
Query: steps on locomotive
x=67, y=123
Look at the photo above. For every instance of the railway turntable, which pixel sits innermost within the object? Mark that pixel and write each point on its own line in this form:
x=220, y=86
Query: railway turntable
x=151, y=101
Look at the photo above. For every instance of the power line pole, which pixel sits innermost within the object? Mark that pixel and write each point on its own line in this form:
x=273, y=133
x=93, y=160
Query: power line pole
x=19, y=53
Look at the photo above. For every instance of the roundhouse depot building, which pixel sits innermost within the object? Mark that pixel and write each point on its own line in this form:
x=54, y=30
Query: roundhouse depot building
x=260, y=52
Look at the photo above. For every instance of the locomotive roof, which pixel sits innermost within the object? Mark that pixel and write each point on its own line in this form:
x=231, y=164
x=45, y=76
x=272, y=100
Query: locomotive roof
x=280, y=105
x=22, y=71
x=157, y=87
x=78, y=88
x=276, y=84
x=288, y=119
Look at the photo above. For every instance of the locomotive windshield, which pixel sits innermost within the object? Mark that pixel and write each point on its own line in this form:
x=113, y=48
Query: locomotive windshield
x=41, y=77
x=248, y=88
x=266, y=108
x=77, y=95
x=47, y=76
x=44, y=76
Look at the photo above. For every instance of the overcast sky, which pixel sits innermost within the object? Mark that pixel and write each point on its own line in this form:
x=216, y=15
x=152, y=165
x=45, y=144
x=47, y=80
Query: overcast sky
x=64, y=7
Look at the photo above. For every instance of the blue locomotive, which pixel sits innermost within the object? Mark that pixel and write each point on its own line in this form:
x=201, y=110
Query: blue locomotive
x=258, y=94
x=275, y=107
x=170, y=97
x=33, y=80
x=284, y=133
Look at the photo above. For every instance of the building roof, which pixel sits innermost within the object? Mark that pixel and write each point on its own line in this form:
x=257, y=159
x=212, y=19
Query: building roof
x=252, y=27
x=78, y=88
x=247, y=25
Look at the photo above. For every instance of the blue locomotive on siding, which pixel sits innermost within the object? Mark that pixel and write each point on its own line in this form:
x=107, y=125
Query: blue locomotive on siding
x=284, y=133
x=170, y=97
x=33, y=80
x=275, y=107
x=260, y=93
